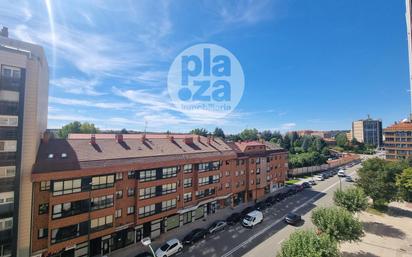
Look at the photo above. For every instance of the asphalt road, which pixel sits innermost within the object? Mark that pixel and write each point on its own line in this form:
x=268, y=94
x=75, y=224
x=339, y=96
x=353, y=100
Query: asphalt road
x=265, y=239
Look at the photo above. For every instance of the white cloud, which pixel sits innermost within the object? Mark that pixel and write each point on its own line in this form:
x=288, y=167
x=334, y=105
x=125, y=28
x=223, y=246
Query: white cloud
x=88, y=103
x=77, y=86
x=288, y=126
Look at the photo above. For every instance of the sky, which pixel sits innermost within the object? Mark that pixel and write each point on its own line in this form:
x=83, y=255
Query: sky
x=316, y=64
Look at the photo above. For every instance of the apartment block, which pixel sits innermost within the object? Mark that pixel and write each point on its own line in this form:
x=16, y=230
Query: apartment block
x=23, y=118
x=368, y=131
x=398, y=141
x=93, y=194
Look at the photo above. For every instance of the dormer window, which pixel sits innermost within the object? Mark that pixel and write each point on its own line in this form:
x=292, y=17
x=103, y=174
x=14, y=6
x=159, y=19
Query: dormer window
x=64, y=155
x=50, y=156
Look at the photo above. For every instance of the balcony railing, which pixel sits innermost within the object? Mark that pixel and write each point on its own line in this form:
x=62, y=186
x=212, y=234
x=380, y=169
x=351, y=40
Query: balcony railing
x=6, y=210
x=8, y=159
x=9, y=108
x=6, y=235
x=6, y=184
x=8, y=133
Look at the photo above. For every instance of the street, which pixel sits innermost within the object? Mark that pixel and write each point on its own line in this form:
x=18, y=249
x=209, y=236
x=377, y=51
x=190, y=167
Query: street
x=265, y=239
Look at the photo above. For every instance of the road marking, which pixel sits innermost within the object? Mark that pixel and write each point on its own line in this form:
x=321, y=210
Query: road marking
x=250, y=239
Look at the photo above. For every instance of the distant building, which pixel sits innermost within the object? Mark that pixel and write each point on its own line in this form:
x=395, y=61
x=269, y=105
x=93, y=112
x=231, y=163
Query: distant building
x=24, y=84
x=349, y=136
x=398, y=141
x=368, y=131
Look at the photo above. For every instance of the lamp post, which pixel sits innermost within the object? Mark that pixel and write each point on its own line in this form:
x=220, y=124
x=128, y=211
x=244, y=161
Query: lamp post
x=147, y=242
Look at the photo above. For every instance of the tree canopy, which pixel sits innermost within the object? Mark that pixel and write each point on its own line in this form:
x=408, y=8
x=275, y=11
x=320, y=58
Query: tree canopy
x=77, y=127
x=200, y=132
x=305, y=243
x=219, y=133
x=249, y=134
x=352, y=199
x=337, y=223
x=341, y=139
x=404, y=184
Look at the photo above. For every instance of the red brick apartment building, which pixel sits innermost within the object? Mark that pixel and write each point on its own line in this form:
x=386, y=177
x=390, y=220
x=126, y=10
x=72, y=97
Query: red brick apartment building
x=398, y=141
x=112, y=190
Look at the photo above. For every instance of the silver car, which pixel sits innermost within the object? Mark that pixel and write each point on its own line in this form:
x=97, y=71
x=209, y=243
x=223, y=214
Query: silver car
x=217, y=226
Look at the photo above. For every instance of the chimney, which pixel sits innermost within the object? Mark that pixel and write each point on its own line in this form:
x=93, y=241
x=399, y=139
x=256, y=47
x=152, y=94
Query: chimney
x=4, y=32
x=93, y=139
x=198, y=138
x=143, y=137
x=171, y=138
x=188, y=140
x=119, y=138
x=46, y=137
x=208, y=140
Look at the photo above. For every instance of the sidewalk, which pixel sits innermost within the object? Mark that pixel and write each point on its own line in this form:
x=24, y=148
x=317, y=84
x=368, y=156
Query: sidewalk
x=221, y=214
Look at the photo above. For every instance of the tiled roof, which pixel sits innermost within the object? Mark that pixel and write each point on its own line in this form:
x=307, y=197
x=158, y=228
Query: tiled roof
x=81, y=153
x=399, y=126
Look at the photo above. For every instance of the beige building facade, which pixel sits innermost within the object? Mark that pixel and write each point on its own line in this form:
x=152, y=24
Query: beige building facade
x=23, y=119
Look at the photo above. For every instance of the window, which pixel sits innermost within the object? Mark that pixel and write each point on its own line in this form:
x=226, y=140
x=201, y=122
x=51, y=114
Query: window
x=101, y=223
x=44, y=185
x=67, y=187
x=7, y=172
x=187, y=168
x=187, y=197
x=258, y=171
x=169, y=172
x=6, y=197
x=187, y=217
x=147, y=211
x=237, y=173
x=187, y=182
x=100, y=182
x=119, y=194
x=257, y=181
x=6, y=224
x=43, y=233
x=11, y=72
x=119, y=176
x=168, y=205
x=101, y=202
x=9, y=121
x=227, y=173
x=257, y=160
x=227, y=185
x=43, y=208
x=8, y=146
x=70, y=209
x=146, y=193
x=130, y=210
x=242, y=172
x=130, y=191
x=147, y=175
x=118, y=213
x=168, y=188
x=208, y=166
x=203, y=181
x=131, y=174
x=205, y=193
x=69, y=232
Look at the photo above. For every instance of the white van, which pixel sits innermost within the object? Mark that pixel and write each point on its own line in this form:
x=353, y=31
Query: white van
x=341, y=173
x=252, y=218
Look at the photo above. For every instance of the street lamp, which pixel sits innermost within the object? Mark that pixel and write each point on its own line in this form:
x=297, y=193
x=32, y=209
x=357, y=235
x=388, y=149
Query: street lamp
x=147, y=242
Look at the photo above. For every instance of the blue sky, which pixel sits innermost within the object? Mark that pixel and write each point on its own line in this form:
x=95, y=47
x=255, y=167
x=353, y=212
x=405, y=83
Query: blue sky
x=307, y=64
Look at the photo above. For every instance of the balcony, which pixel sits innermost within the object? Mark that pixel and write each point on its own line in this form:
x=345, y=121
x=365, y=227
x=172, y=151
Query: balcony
x=6, y=184
x=6, y=236
x=8, y=133
x=9, y=108
x=8, y=159
x=6, y=210
x=12, y=84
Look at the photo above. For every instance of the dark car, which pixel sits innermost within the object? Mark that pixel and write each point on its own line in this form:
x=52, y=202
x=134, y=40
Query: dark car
x=194, y=236
x=299, y=188
x=247, y=210
x=144, y=254
x=217, y=226
x=306, y=185
x=279, y=197
x=312, y=182
x=260, y=206
x=270, y=200
x=234, y=218
x=293, y=218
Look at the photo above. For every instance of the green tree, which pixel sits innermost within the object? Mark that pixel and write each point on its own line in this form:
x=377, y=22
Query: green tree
x=306, y=143
x=352, y=199
x=249, y=134
x=404, y=184
x=305, y=243
x=219, y=133
x=285, y=142
x=199, y=131
x=266, y=135
x=377, y=178
x=337, y=223
x=77, y=127
x=341, y=140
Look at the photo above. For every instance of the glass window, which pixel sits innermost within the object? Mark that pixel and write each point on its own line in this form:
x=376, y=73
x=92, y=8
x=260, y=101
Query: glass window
x=43, y=208
x=43, y=233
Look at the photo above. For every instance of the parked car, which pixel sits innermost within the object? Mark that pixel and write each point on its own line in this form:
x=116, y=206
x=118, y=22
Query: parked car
x=280, y=196
x=217, y=226
x=194, y=236
x=312, y=182
x=293, y=218
x=306, y=185
x=247, y=210
x=234, y=218
x=144, y=254
x=341, y=173
x=171, y=247
x=319, y=178
x=252, y=218
x=348, y=179
x=260, y=206
x=270, y=200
